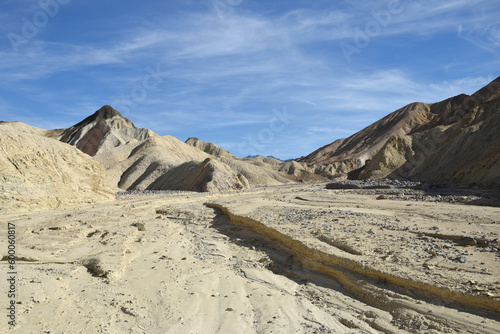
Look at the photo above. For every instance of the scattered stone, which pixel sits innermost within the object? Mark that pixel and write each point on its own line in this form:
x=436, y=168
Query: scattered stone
x=140, y=226
x=373, y=184
x=343, y=185
x=370, y=314
x=91, y=234
x=94, y=267
x=127, y=311
x=460, y=259
x=379, y=186
x=384, y=197
x=467, y=241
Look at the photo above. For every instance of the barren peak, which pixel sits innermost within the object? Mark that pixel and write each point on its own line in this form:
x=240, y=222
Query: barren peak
x=106, y=112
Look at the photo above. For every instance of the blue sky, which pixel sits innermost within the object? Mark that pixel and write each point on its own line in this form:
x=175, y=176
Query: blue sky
x=254, y=77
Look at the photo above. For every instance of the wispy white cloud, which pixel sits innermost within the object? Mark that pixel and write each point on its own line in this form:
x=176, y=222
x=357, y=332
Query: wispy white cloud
x=423, y=17
x=230, y=70
x=460, y=86
x=200, y=36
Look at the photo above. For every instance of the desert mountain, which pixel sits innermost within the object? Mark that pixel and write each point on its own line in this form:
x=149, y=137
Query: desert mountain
x=37, y=172
x=102, y=131
x=166, y=163
x=259, y=159
x=209, y=148
x=388, y=144
x=348, y=154
x=463, y=146
x=258, y=169
x=139, y=159
x=268, y=156
x=455, y=140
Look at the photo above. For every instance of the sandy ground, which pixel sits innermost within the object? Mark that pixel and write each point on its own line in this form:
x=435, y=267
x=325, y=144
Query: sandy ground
x=288, y=259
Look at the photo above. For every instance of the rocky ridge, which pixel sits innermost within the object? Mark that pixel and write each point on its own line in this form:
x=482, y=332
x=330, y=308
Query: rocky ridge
x=449, y=141
x=465, y=149
x=209, y=148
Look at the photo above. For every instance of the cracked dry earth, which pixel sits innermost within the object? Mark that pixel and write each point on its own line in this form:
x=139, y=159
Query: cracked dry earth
x=288, y=259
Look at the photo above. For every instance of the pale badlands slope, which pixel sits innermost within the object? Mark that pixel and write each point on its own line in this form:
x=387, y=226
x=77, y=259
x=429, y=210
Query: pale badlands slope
x=292, y=259
x=39, y=172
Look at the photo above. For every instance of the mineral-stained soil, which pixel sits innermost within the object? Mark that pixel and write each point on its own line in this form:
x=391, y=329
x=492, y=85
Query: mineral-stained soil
x=281, y=259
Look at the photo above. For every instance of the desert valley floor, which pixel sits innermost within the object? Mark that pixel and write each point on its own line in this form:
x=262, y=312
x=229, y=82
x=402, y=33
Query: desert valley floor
x=286, y=259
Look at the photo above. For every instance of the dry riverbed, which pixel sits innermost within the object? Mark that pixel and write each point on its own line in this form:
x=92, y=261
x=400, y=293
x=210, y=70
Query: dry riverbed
x=289, y=259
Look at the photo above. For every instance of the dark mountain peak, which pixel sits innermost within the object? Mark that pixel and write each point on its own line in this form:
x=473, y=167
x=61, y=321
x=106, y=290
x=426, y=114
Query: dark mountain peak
x=88, y=135
x=106, y=112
